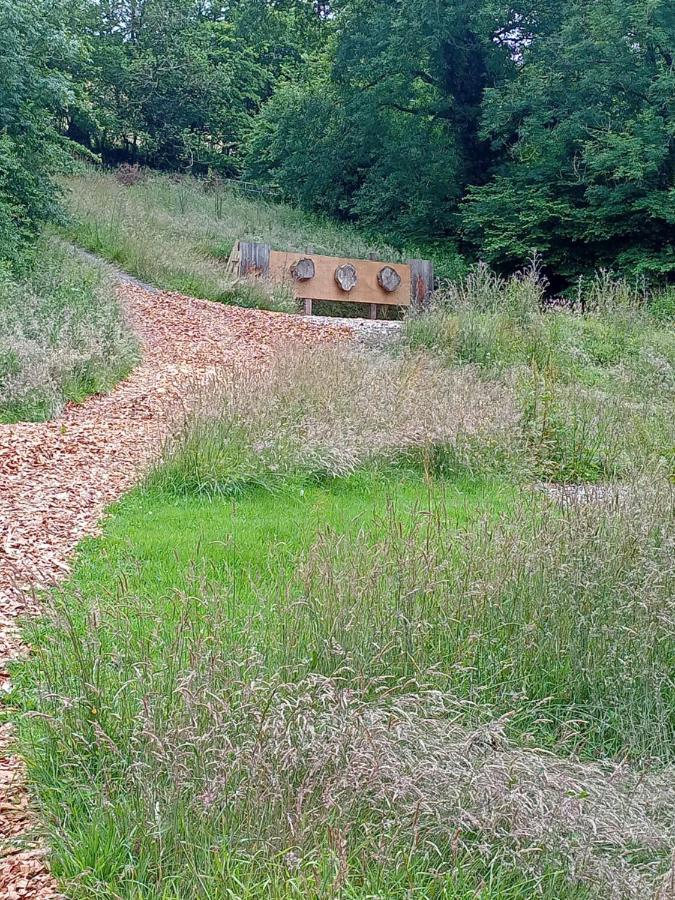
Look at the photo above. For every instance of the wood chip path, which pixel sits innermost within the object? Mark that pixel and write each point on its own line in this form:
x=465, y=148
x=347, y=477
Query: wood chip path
x=57, y=478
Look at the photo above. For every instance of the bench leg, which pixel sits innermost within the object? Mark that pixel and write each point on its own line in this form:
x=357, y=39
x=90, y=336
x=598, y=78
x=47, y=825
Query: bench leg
x=308, y=307
x=373, y=310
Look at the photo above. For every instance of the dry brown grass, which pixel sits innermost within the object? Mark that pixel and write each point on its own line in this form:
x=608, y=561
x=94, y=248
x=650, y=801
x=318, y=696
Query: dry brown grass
x=327, y=412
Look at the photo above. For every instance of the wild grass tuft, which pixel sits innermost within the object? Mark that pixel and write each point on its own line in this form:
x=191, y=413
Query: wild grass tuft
x=317, y=415
x=597, y=389
x=63, y=335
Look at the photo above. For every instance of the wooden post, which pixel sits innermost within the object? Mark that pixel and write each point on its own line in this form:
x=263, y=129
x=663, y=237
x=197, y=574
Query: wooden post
x=254, y=259
x=233, y=261
x=373, y=310
x=422, y=283
x=308, y=307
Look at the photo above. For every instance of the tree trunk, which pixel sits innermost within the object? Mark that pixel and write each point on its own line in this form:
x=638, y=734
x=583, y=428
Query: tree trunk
x=303, y=270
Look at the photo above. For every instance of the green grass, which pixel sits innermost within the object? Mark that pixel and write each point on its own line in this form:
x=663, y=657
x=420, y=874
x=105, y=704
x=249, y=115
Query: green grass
x=178, y=234
x=251, y=543
x=182, y=663
x=62, y=335
x=596, y=391
x=164, y=552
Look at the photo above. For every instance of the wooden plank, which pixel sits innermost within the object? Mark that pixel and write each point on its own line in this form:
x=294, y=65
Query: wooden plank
x=324, y=287
x=422, y=282
x=254, y=259
x=232, y=264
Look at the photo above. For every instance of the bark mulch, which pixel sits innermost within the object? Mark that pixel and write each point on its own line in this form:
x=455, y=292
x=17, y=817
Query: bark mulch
x=57, y=478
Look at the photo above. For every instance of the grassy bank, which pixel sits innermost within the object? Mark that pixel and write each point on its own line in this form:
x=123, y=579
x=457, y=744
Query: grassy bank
x=62, y=337
x=595, y=385
x=332, y=649
x=178, y=234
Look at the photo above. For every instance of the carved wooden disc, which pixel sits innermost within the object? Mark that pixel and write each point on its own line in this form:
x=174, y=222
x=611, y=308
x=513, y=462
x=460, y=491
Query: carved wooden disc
x=303, y=270
x=347, y=277
x=389, y=279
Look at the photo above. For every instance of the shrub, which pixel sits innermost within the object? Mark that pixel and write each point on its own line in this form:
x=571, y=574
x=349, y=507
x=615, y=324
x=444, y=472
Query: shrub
x=661, y=305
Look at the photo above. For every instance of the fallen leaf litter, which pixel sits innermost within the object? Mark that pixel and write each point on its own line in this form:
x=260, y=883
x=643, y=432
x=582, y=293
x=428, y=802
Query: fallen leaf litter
x=57, y=478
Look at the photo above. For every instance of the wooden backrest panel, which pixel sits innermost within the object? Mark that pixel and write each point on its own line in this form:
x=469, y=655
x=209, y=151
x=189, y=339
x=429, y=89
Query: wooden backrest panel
x=324, y=287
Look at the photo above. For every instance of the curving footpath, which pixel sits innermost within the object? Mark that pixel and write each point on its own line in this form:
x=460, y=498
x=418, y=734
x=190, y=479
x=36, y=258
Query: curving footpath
x=57, y=478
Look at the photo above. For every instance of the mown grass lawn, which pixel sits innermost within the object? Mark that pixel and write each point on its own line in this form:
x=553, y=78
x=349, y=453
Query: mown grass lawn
x=156, y=543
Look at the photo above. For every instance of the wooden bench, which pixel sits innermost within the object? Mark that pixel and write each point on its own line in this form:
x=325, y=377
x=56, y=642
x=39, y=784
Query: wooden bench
x=312, y=277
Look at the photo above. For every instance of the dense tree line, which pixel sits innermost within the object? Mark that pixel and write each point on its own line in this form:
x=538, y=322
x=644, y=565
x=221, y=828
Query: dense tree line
x=543, y=125
x=36, y=54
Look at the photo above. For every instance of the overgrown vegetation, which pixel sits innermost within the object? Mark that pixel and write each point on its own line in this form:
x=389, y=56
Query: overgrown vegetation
x=178, y=234
x=36, y=50
x=63, y=335
x=330, y=650
x=341, y=410
x=596, y=383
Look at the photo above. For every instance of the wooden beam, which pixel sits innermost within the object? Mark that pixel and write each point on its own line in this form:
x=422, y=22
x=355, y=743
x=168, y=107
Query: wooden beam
x=254, y=259
x=422, y=282
x=233, y=261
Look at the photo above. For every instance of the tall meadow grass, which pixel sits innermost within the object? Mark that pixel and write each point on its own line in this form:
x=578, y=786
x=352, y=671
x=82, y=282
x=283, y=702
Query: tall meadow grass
x=405, y=701
x=596, y=382
x=411, y=705
x=63, y=335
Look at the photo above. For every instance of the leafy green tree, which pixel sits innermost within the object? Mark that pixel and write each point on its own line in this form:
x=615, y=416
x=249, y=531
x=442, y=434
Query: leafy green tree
x=393, y=120
x=585, y=138
x=178, y=82
x=35, y=51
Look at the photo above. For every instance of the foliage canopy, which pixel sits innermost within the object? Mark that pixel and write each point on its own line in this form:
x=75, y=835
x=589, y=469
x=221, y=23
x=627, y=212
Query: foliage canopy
x=509, y=127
